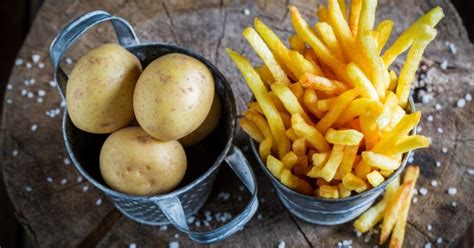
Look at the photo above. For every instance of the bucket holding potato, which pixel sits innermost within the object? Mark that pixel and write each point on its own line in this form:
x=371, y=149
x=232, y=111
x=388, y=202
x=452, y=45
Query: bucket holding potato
x=142, y=165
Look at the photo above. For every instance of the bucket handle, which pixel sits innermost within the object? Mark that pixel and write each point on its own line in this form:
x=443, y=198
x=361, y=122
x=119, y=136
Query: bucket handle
x=124, y=32
x=173, y=209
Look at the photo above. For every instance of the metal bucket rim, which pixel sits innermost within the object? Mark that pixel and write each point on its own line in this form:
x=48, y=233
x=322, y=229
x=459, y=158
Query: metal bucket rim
x=219, y=160
x=411, y=108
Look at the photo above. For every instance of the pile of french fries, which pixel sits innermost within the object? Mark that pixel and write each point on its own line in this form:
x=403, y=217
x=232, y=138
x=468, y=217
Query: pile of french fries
x=330, y=115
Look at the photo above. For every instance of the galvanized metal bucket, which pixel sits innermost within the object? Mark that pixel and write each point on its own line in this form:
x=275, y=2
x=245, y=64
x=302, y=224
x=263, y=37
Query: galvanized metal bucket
x=328, y=211
x=174, y=207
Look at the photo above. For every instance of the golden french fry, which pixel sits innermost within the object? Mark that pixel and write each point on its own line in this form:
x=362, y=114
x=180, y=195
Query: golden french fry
x=393, y=80
x=340, y=26
x=352, y=182
x=329, y=192
x=408, y=71
x=296, y=183
x=384, y=29
x=322, y=13
x=325, y=31
x=310, y=100
x=370, y=130
x=331, y=116
x=386, y=173
x=407, y=123
x=380, y=161
x=320, y=182
x=254, y=106
x=375, y=178
x=367, y=16
x=265, y=74
x=361, y=81
x=392, y=188
x=335, y=159
x=271, y=113
x=326, y=104
x=278, y=104
x=286, y=118
x=299, y=146
x=348, y=159
x=410, y=143
x=345, y=137
x=265, y=148
x=260, y=122
x=303, y=65
x=290, y=101
x=320, y=159
x=266, y=55
x=311, y=134
x=297, y=44
x=275, y=166
x=398, y=233
x=393, y=209
x=405, y=40
x=370, y=217
x=289, y=160
x=251, y=129
x=389, y=105
x=297, y=90
x=343, y=191
x=290, y=133
x=357, y=108
x=362, y=169
x=323, y=84
x=301, y=167
x=356, y=6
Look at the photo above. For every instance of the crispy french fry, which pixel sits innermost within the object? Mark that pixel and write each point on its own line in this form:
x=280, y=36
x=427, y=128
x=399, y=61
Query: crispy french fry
x=322, y=13
x=251, y=129
x=265, y=74
x=352, y=182
x=389, y=105
x=296, y=183
x=271, y=113
x=398, y=233
x=393, y=81
x=331, y=116
x=356, y=6
x=343, y=137
x=290, y=133
x=405, y=40
x=323, y=84
x=386, y=173
x=320, y=182
x=407, y=74
x=348, y=159
x=362, y=169
x=297, y=90
x=325, y=31
x=286, y=118
x=375, y=178
x=384, y=29
x=393, y=209
x=380, y=161
x=254, y=106
x=266, y=55
x=310, y=99
x=290, y=101
x=407, y=123
x=357, y=108
x=343, y=191
x=335, y=159
x=342, y=5
x=303, y=65
x=326, y=104
x=275, y=166
x=361, y=81
x=278, y=104
x=340, y=26
x=329, y=192
x=265, y=148
x=297, y=44
x=289, y=160
x=370, y=217
x=299, y=146
x=367, y=16
x=320, y=159
x=397, y=114
x=370, y=130
x=260, y=122
x=311, y=134
x=410, y=143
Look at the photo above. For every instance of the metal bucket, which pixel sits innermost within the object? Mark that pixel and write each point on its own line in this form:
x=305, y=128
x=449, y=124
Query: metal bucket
x=322, y=211
x=83, y=148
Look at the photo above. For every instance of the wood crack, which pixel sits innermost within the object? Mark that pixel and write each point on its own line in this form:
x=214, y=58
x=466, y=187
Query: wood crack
x=300, y=230
x=221, y=37
x=167, y=13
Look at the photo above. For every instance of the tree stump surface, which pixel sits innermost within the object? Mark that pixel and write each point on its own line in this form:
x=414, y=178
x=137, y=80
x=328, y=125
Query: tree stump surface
x=58, y=208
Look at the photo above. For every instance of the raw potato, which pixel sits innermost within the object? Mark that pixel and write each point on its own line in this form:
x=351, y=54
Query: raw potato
x=133, y=162
x=173, y=96
x=99, y=92
x=206, y=127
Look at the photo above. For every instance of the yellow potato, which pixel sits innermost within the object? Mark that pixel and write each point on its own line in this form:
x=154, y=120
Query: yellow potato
x=133, y=162
x=209, y=124
x=99, y=91
x=173, y=96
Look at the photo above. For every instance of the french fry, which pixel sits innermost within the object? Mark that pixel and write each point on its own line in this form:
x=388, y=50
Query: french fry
x=348, y=159
x=289, y=160
x=251, y=129
x=393, y=209
x=367, y=16
x=343, y=7
x=322, y=13
x=384, y=29
x=311, y=134
x=254, y=106
x=407, y=123
x=265, y=148
x=271, y=113
x=343, y=191
x=356, y=6
x=397, y=114
x=265, y=74
x=375, y=178
x=389, y=105
x=275, y=166
x=297, y=90
x=362, y=169
x=290, y=101
x=296, y=183
x=323, y=84
x=303, y=65
x=266, y=55
x=405, y=40
x=386, y=173
x=260, y=122
x=380, y=161
x=370, y=130
x=340, y=26
x=410, y=143
x=290, y=133
x=325, y=31
x=393, y=80
x=361, y=81
x=310, y=99
x=299, y=146
x=398, y=233
x=407, y=74
x=320, y=159
x=286, y=118
x=335, y=159
x=297, y=44
x=328, y=192
x=331, y=116
x=326, y=104
x=345, y=137
x=352, y=182
x=278, y=104
x=357, y=108
x=320, y=182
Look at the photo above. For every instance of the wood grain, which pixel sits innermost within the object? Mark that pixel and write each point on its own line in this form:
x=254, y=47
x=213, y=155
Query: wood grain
x=62, y=214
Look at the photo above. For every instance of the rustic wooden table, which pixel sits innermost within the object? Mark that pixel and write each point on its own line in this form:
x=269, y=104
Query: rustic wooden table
x=58, y=208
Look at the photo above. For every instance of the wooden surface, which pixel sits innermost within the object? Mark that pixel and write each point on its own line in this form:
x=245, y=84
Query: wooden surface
x=60, y=213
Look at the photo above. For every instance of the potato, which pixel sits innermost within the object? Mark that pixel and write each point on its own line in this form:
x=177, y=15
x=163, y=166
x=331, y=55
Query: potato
x=99, y=92
x=133, y=162
x=173, y=96
x=206, y=127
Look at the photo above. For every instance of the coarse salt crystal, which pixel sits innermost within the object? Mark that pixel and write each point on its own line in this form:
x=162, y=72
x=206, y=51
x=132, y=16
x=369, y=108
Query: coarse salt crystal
x=62, y=104
x=18, y=61
x=28, y=189
x=223, y=196
x=438, y=106
x=68, y=61
x=439, y=240
x=411, y=159
x=35, y=58
x=470, y=172
x=454, y=204
x=419, y=129
x=468, y=97
x=281, y=244
x=41, y=93
x=173, y=244
x=197, y=223
x=24, y=92
x=9, y=87
x=440, y=130
x=461, y=103
x=9, y=101
x=85, y=188
x=239, y=198
x=415, y=200
x=358, y=234
x=246, y=12
x=423, y=191
x=428, y=245
x=429, y=227
x=52, y=83
x=191, y=219
x=415, y=191
x=98, y=202
x=241, y=188
x=34, y=127
x=49, y=179
x=163, y=227
x=14, y=153
x=63, y=181
x=79, y=179
x=438, y=164
x=176, y=236
x=259, y=216
x=444, y=150
x=132, y=245
x=30, y=95
x=32, y=81
x=434, y=183
x=39, y=100
x=426, y=98
x=41, y=65
x=452, y=191
x=429, y=118
x=452, y=48
x=28, y=65
x=444, y=65
x=66, y=161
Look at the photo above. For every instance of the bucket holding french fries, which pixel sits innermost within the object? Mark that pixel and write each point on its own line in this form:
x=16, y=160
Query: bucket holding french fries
x=332, y=124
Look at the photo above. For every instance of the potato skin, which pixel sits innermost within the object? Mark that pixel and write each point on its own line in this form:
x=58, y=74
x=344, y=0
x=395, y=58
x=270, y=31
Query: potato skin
x=206, y=127
x=173, y=96
x=99, y=92
x=133, y=162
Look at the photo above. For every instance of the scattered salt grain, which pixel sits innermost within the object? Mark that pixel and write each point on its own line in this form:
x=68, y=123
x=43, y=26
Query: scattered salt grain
x=41, y=65
x=452, y=48
x=52, y=83
x=68, y=61
x=9, y=101
x=241, y=188
x=30, y=95
x=18, y=61
x=438, y=106
x=79, y=179
x=423, y=191
x=28, y=65
x=259, y=216
x=197, y=223
x=41, y=93
x=281, y=244
x=206, y=223
x=39, y=100
x=163, y=227
x=444, y=65
x=32, y=81
x=454, y=204
x=415, y=200
x=191, y=219
x=452, y=191
x=98, y=202
x=411, y=159
x=346, y=243
x=358, y=234
x=246, y=12
x=49, y=179
x=28, y=189
x=9, y=87
x=468, y=97
x=434, y=183
x=63, y=181
x=176, y=236
x=419, y=129
x=223, y=196
x=470, y=172
x=85, y=188
x=461, y=103
x=34, y=127
x=440, y=130
x=35, y=58
x=430, y=118
x=132, y=245
x=173, y=244
x=24, y=92
x=428, y=245
x=415, y=191
x=426, y=98
x=438, y=164
x=429, y=227
x=14, y=153
x=262, y=200
x=439, y=240
x=444, y=150
x=239, y=198
x=62, y=104
x=66, y=161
